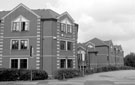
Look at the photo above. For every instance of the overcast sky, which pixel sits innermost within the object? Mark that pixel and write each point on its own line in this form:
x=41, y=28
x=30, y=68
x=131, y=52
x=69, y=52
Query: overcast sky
x=105, y=19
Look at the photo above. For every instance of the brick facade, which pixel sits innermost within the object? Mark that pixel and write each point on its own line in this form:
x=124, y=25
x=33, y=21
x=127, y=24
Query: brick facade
x=42, y=37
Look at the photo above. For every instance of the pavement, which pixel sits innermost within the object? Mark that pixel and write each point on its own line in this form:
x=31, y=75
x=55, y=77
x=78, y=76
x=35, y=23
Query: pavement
x=124, y=77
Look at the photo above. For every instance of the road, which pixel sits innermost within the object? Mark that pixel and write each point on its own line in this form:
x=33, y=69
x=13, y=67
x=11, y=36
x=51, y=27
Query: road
x=124, y=77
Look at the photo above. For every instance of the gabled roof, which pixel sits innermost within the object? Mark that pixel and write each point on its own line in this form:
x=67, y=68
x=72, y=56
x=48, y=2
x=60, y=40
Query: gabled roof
x=66, y=13
x=119, y=47
x=83, y=46
x=3, y=13
x=97, y=42
x=79, y=45
x=43, y=13
x=109, y=42
x=20, y=5
x=46, y=13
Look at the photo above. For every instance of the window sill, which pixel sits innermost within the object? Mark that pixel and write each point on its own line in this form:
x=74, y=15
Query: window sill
x=66, y=50
x=19, y=49
x=20, y=31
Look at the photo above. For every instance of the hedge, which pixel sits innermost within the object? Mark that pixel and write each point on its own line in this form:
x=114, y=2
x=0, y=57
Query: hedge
x=72, y=73
x=22, y=75
x=108, y=68
x=66, y=73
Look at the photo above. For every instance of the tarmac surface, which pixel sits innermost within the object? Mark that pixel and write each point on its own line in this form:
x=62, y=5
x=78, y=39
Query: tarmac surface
x=124, y=77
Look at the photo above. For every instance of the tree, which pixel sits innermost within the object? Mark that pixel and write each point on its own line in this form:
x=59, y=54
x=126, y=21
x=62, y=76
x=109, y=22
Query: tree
x=129, y=60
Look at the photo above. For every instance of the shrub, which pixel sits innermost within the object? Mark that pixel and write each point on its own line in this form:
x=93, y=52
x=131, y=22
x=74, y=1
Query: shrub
x=66, y=73
x=21, y=74
x=9, y=75
x=108, y=68
x=39, y=75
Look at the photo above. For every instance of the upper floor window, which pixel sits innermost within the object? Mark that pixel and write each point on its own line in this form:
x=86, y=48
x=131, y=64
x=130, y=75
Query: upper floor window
x=20, y=24
x=19, y=44
x=62, y=45
x=24, y=44
x=69, y=45
x=15, y=44
x=66, y=45
x=69, y=28
x=66, y=26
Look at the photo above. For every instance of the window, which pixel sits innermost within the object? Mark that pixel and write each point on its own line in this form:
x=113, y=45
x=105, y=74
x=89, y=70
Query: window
x=15, y=44
x=62, y=45
x=79, y=57
x=23, y=63
x=19, y=63
x=90, y=46
x=14, y=63
x=70, y=63
x=20, y=24
x=63, y=63
x=62, y=27
x=24, y=26
x=24, y=44
x=16, y=26
x=69, y=45
x=66, y=63
x=19, y=44
x=69, y=28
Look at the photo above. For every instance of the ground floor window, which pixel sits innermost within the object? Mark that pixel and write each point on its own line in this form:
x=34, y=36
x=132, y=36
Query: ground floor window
x=63, y=63
x=14, y=63
x=19, y=63
x=70, y=63
x=66, y=63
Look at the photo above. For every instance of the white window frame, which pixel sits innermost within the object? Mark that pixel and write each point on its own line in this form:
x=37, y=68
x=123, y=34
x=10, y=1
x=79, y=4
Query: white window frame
x=66, y=46
x=66, y=62
x=66, y=22
x=18, y=62
x=19, y=48
x=20, y=24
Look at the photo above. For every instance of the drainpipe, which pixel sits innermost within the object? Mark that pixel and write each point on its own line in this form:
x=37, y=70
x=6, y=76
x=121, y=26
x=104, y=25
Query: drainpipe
x=108, y=56
x=115, y=56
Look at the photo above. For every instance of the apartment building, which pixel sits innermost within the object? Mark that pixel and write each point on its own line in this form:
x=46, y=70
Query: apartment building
x=87, y=56
x=37, y=39
x=104, y=53
x=119, y=53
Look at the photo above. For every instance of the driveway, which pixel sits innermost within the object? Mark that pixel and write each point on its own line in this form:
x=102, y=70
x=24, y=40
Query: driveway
x=124, y=77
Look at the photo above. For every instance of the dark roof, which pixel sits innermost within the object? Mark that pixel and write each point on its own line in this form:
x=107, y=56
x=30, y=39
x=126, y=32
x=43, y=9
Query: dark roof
x=81, y=45
x=109, y=42
x=119, y=47
x=97, y=42
x=91, y=50
x=3, y=13
x=44, y=13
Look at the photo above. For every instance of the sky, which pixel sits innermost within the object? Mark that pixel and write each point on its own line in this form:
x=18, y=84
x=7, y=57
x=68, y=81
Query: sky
x=104, y=19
